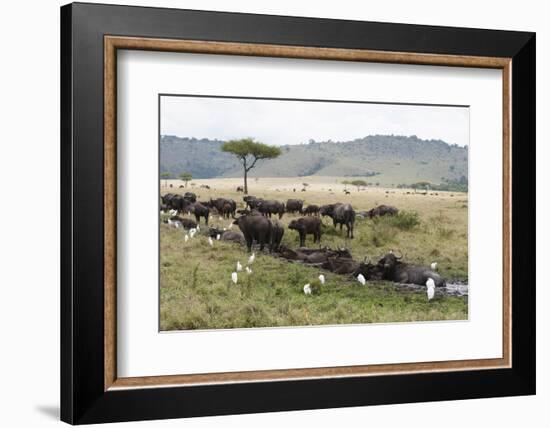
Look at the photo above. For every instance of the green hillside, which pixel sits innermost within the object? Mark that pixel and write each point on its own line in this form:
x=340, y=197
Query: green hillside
x=385, y=159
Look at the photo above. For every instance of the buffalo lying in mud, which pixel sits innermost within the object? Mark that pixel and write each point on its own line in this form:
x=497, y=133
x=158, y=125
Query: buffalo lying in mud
x=270, y=207
x=311, y=210
x=294, y=206
x=227, y=235
x=255, y=228
x=382, y=210
x=307, y=226
x=393, y=269
x=313, y=256
x=342, y=214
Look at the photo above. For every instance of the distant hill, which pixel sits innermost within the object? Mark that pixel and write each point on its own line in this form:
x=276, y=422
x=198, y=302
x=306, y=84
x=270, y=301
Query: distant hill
x=385, y=159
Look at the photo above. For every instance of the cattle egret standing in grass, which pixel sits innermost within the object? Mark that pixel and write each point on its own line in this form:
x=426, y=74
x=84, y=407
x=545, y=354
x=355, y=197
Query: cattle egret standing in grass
x=307, y=289
x=218, y=237
x=434, y=266
x=248, y=270
x=430, y=288
x=192, y=232
x=322, y=279
x=361, y=279
x=210, y=242
x=198, y=228
x=234, y=277
x=186, y=238
x=177, y=224
x=251, y=258
x=239, y=266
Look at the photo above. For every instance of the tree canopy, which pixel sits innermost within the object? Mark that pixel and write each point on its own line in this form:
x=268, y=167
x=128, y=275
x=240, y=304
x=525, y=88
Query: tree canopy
x=249, y=152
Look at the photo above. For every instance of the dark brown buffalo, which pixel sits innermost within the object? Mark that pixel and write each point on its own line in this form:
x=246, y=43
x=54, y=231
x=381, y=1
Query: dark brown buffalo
x=342, y=214
x=277, y=232
x=270, y=207
x=294, y=206
x=252, y=201
x=307, y=226
x=227, y=235
x=311, y=210
x=254, y=228
x=199, y=210
x=393, y=269
x=382, y=210
x=185, y=222
x=225, y=207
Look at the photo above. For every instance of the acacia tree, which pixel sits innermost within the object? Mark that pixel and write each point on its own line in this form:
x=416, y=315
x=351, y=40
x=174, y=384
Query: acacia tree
x=186, y=176
x=249, y=152
x=166, y=176
x=359, y=184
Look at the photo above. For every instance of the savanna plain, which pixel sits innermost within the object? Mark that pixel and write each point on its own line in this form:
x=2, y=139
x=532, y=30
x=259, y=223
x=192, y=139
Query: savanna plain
x=197, y=290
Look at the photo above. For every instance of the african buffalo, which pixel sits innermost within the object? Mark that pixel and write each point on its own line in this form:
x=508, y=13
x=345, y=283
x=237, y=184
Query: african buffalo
x=342, y=214
x=224, y=207
x=270, y=207
x=382, y=210
x=190, y=196
x=393, y=269
x=252, y=201
x=254, y=228
x=199, y=210
x=277, y=232
x=185, y=222
x=305, y=226
x=311, y=210
x=294, y=205
x=226, y=235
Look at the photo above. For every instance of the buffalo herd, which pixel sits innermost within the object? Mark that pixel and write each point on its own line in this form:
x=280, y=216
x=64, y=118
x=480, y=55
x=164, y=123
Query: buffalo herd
x=257, y=226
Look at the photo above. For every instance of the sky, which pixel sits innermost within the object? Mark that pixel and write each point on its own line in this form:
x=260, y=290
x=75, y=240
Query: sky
x=280, y=122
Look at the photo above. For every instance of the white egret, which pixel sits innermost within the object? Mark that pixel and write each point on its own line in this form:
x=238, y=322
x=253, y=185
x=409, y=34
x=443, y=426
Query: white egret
x=186, y=238
x=234, y=277
x=434, y=266
x=251, y=258
x=361, y=279
x=307, y=289
x=210, y=241
x=322, y=279
x=430, y=288
x=239, y=266
x=248, y=270
x=218, y=237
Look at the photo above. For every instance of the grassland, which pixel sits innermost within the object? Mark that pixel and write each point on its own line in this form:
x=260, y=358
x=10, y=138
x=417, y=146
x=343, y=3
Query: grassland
x=197, y=292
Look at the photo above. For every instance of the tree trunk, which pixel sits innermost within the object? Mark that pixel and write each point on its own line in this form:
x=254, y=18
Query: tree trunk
x=245, y=182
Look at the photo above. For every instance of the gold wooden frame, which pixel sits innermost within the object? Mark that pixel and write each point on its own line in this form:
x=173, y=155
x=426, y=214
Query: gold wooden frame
x=113, y=43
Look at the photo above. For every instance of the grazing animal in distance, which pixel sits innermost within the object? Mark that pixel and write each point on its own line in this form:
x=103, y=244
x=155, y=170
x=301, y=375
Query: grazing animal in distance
x=240, y=189
x=342, y=214
x=307, y=226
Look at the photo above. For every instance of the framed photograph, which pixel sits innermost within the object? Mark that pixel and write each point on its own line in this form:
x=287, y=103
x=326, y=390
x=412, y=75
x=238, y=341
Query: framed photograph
x=265, y=213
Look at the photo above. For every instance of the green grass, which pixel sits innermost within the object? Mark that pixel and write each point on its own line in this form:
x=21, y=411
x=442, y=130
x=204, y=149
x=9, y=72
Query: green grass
x=197, y=292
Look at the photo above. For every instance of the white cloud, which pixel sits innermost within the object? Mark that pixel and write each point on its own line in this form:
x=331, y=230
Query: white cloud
x=280, y=122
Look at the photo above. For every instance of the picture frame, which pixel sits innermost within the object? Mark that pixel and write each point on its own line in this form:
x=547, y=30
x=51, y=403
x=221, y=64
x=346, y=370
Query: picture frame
x=91, y=391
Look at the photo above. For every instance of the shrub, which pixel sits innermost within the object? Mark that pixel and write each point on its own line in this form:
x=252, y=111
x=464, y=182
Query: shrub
x=404, y=220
